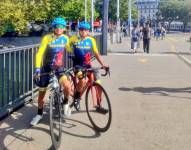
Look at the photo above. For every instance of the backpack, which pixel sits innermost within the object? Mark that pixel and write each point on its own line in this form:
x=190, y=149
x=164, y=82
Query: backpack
x=135, y=34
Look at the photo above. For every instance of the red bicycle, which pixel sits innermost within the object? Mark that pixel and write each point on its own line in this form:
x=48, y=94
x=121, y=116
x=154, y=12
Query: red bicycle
x=98, y=106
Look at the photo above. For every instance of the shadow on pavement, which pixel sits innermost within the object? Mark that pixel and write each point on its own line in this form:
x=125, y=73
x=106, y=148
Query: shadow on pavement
x=97, y=134
x=68, y=123
x=15, y=127
x=162, y=91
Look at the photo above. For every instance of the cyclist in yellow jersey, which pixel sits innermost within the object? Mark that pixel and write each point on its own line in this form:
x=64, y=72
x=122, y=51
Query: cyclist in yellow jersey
x=83, y=46
x=48, y=57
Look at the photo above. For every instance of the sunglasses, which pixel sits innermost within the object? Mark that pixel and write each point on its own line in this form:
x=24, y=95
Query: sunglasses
x=59, y=27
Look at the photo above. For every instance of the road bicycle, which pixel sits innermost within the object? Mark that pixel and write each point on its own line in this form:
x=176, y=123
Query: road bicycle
x=56, y=98
x=98, y=106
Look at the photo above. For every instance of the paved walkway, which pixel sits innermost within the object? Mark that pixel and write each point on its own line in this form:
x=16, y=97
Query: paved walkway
x=151, y=103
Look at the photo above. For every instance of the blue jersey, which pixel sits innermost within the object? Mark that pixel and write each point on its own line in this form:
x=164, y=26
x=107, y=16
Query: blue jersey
x=51, y=50
x=83, y=49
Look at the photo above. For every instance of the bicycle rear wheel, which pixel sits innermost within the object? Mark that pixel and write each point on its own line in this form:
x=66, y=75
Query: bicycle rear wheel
x=55, y=119
x=98, y=107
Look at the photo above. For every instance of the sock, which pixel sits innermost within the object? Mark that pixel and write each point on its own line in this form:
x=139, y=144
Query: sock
x=77, y=95
x=40, y=111
x=65, y=101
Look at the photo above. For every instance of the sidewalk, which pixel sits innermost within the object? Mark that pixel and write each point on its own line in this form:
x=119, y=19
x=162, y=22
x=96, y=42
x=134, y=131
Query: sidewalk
x=177, y=44
x=150, y=98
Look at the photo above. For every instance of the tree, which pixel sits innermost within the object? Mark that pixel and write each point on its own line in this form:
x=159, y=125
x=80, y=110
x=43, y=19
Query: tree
x=18, y=13
x=39, y=10
x=11, y=15
x=185, y=13
x=70, y=9
x=113, y=9
x=175, y=10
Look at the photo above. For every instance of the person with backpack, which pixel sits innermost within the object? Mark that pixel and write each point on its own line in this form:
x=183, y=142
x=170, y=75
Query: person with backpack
x=135, y=34
x=146, y=38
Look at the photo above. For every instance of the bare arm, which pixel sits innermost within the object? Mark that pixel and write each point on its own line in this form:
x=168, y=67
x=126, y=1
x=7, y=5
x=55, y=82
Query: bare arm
x=97, y=56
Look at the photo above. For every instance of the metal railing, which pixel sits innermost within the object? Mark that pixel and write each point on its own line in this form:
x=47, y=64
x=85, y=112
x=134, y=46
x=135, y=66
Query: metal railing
x=16, y=84
x=16, y=76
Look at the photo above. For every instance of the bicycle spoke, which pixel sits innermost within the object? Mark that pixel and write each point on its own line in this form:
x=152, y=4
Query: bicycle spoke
x=98, y=108
x=55, y=119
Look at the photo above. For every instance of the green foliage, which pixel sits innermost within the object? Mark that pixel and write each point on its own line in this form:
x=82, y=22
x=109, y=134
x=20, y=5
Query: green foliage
x=113, y=9
x=11, y=14
x=173, y=10
x=176, y=10
x=18, y=13
x=39, y=10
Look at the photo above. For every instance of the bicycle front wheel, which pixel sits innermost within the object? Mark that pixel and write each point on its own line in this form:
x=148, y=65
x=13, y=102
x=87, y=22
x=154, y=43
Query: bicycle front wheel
x=98, y=107
x=55, y=119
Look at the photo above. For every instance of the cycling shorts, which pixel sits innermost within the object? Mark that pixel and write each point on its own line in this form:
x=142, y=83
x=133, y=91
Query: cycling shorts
x=45, y=79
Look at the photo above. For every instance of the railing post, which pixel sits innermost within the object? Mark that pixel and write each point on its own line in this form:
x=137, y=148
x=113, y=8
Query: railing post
x=32, y=65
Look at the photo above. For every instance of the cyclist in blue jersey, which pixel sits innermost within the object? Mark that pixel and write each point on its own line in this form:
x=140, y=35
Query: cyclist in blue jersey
x=83, y=46
x=48, y=57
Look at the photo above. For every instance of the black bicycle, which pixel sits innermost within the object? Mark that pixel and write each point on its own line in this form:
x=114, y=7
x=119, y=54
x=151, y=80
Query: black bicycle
x=56, y=98
x=55, y=102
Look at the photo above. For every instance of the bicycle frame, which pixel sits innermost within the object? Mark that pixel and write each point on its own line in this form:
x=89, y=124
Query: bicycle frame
x=89, y=83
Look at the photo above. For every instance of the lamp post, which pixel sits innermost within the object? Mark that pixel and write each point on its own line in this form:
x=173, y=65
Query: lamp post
x=105, y=26
x=92, y=16
x=118, y=23
x=129, y=17
x=85, y=4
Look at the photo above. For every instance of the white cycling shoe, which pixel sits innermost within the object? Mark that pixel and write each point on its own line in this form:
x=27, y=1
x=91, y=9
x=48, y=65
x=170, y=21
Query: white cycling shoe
x=67, y=111
x=36, y=120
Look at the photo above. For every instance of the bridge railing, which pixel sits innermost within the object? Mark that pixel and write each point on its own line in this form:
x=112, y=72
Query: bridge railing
x=16, y=76
x=16, y=84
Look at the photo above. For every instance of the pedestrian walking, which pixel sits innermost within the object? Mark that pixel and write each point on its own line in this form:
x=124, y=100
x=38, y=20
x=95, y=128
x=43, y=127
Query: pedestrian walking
x=146, y=38
x=135, y=34
x=158, y=33
x=163, y=33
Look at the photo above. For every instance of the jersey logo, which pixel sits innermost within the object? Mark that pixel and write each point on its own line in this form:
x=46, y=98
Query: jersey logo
x=59, y=59
x=87, y=59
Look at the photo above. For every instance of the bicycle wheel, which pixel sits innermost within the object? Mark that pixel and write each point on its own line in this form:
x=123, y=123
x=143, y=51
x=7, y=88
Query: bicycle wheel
x=98, y=107
x=55, y=119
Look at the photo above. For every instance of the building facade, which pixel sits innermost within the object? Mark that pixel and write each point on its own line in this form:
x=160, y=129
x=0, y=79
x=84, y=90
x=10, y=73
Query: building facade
x=147, y=9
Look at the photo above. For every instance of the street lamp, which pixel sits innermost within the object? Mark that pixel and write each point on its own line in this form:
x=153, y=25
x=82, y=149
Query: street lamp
x=129, y=17
x=92, y=16
x=85, y=3
x=105, y=26
x=118, y=23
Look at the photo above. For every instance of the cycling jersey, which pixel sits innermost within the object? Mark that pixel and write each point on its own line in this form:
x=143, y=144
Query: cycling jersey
x=51, y=50
x=82, y=49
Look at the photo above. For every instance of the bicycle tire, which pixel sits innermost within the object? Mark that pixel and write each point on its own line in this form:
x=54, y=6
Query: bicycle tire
x=92, y=114
x=55, y=107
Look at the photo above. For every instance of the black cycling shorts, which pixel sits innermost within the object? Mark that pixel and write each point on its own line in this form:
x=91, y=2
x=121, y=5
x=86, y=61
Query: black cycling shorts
x=45, y=79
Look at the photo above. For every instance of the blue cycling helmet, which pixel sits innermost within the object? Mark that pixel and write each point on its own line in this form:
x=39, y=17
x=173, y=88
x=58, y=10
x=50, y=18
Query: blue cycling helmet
x=59, y=21
x=84, y=25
